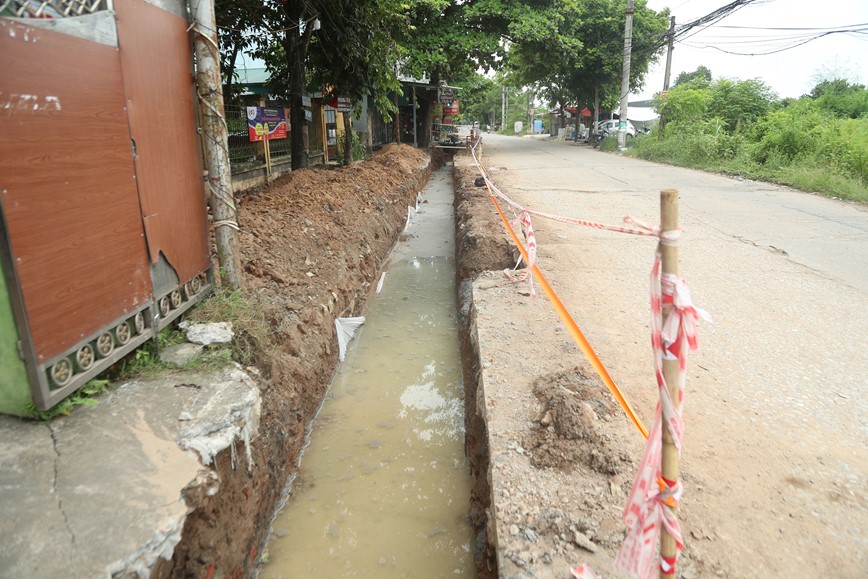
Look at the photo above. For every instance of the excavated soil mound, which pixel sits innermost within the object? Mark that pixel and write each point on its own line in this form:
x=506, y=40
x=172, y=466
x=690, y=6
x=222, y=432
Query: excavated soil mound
x=312, y=242
x=569, y=430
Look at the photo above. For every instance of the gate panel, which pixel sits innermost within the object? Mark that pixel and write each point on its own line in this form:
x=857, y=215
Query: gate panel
x=67, y=186
x=158, y=78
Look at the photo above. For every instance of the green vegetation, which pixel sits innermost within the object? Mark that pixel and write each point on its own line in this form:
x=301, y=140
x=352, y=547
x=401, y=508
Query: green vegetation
x=359, y=151
x=558, y=49
x=817, y=143
x=84, y=396
x=253, y=333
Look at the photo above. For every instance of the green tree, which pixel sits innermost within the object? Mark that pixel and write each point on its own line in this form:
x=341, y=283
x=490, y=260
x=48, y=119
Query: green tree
x=238, y=26
x=739, y=103
x=480, y=99
x=684, y=103
x=580, y=60
x=844, y=100
x=701, y=73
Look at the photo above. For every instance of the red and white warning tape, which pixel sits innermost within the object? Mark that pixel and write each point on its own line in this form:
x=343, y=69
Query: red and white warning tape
x=523, y=221
x=653, y=498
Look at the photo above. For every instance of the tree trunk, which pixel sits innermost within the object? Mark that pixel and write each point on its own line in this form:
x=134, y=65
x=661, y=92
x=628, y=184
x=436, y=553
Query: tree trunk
x=348, y=139
x=596, y=109
x=230, y=70
x=397, y=120
x=562, y=120
x=295, y=46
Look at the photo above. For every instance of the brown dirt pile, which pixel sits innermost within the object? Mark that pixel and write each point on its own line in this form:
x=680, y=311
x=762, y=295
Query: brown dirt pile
x=312, y=243
x=568, y=431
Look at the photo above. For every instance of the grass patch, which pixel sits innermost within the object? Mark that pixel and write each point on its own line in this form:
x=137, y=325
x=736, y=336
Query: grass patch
x=84, y=396
x=609, y=143
x=828, y=183
x=253, y=333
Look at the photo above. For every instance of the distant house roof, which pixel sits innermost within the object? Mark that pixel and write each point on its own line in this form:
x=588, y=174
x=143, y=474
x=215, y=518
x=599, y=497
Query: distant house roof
x=640, y=114
x=251, y=75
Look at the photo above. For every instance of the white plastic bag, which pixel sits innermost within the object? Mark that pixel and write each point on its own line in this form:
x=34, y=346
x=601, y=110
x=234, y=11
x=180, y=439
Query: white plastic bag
x=346, y=329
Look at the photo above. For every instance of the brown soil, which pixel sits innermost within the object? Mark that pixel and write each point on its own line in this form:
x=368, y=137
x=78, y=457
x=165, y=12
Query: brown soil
x=312, y=243
x=569, y=431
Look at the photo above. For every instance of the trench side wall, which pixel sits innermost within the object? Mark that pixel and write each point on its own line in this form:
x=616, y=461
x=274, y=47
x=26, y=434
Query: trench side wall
x=481, y=245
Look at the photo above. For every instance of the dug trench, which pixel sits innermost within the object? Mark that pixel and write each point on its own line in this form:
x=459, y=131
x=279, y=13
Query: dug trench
x=312, y=245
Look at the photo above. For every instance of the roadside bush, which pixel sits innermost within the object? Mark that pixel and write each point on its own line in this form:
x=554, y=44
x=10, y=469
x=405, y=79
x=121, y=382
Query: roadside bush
x=800, y=144
x=854, y=147
x=703, y=143
x=359, y=151
x=790, y=133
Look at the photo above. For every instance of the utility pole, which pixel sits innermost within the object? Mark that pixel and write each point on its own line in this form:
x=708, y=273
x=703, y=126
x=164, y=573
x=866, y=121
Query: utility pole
x=219, y=180
x=502, y=107
x=530, y=112
x=625, y=75
x=671, y=43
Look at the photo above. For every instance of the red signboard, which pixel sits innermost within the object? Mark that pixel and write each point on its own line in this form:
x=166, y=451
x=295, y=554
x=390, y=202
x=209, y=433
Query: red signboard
x=266, y=123
x=451, y=109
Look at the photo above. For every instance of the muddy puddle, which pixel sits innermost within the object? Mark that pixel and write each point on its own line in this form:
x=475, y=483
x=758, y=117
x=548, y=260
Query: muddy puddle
x=383, y=489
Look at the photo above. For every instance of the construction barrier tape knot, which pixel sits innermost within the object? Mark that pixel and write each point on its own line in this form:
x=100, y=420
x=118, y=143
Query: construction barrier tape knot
x=670, y=492
x=667, y=565
x=523, y=221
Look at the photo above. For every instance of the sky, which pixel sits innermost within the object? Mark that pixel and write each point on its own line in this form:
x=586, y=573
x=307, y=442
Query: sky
x=790, y=73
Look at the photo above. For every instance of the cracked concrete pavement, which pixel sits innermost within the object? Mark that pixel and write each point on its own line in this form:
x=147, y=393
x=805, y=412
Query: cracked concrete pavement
x=99, y=493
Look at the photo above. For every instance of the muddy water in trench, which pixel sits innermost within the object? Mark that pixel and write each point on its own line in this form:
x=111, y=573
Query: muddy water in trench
x=383, y=490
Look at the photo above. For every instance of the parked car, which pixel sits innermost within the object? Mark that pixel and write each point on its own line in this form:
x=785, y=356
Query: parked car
x=611, y=127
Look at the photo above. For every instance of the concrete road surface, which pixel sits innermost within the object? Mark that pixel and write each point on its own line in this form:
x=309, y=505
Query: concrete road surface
x=776, y=448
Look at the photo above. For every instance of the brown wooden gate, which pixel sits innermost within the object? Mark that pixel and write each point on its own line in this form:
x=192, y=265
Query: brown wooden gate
x=104, y=231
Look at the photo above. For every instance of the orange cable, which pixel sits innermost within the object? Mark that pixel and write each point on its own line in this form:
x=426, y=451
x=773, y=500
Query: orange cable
x=577, y=334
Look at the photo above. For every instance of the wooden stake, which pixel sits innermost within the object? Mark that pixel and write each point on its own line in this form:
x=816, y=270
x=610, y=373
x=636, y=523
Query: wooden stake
x=669, y=263
x=265, y=142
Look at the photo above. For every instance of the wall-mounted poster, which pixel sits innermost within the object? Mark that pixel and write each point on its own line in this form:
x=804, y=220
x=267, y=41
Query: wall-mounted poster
x=266, y=123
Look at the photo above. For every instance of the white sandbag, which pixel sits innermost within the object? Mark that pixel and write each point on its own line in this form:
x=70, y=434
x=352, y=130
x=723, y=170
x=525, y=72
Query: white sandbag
x=346, y=329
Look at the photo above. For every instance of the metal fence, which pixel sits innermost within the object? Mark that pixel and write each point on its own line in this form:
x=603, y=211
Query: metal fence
x=382, y=132
x=243, y=155
x=50, y=8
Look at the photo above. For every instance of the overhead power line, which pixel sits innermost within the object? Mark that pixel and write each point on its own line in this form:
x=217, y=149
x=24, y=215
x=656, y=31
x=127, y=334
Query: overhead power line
x=792, y=42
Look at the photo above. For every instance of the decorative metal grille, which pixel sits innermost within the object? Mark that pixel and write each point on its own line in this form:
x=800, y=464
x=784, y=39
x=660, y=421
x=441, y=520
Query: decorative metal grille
x=51, y=8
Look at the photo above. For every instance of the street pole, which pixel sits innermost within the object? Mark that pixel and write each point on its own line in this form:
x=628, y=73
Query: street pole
x=671, y=35
x=415, y=136
x=671, y=43
x=530, y=113
x=625, y=76
x=502, y=106
x=216, y=142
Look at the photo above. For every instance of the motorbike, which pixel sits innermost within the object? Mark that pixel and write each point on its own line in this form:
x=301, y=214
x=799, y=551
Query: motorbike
x=597, y=138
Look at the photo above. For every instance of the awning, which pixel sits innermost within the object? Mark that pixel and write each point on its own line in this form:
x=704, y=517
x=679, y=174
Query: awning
x=640, y=114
